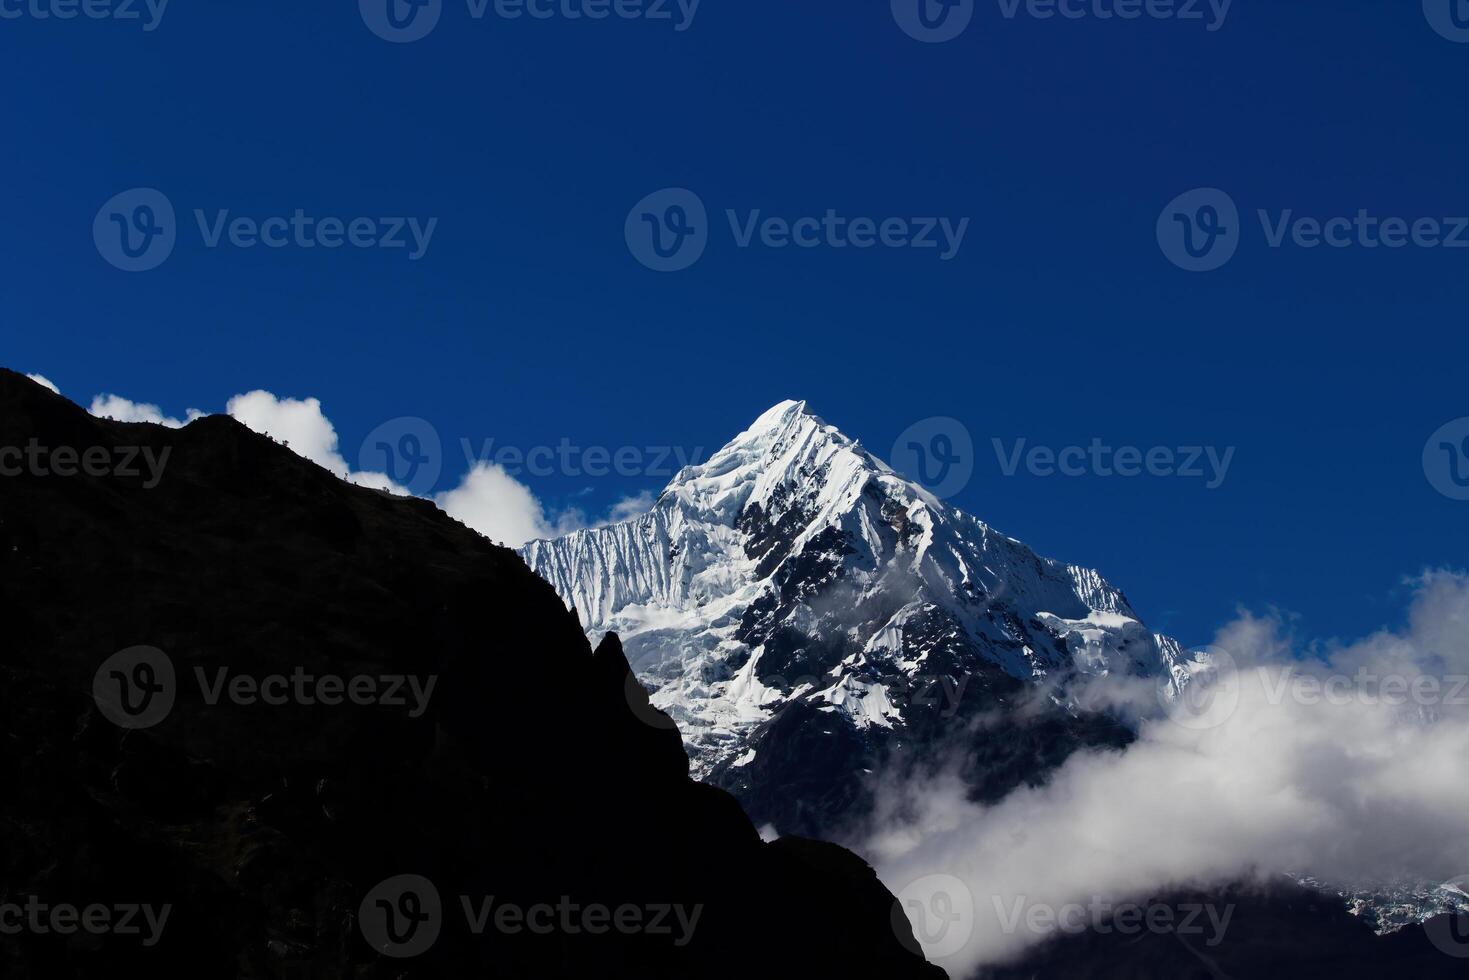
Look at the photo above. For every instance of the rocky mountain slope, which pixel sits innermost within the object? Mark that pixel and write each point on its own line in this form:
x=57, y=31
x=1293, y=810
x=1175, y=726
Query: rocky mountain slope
x=204, y=706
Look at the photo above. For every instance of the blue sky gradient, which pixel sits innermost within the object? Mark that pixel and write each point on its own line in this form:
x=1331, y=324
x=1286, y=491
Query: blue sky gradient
x=1059, y=321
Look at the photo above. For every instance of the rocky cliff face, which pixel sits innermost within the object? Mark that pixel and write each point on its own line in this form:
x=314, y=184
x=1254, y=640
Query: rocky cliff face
x=328, y=728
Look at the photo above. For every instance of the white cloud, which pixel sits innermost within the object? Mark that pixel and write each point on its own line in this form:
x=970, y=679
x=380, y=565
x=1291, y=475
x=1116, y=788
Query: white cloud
x=126, y=410
x=297, y=422
x=41, y=379
x=488, y=498
x=502, y=508
x=629, y=507
x=1353, y=789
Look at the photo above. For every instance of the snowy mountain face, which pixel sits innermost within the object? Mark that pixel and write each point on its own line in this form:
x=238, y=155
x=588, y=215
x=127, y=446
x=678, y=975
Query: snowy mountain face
x=795, y=598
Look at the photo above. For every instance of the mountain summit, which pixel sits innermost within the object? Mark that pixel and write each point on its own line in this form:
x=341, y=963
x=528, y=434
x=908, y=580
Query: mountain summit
x=796, y=570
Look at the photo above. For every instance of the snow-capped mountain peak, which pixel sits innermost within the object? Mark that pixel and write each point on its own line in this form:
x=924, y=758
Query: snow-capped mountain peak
x=796, y=566
x=787, y=445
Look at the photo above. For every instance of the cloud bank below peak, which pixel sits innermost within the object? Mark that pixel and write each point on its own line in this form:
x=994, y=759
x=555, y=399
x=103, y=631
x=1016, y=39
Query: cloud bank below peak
x=1319, y=760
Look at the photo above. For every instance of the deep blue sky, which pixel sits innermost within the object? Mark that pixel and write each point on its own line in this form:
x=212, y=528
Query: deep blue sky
x=1059, y=321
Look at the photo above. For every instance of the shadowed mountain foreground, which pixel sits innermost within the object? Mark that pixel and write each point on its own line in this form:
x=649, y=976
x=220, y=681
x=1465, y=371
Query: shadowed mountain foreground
x=252, y=698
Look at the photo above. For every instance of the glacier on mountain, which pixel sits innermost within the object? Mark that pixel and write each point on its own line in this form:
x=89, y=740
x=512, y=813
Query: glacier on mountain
x=794, y=565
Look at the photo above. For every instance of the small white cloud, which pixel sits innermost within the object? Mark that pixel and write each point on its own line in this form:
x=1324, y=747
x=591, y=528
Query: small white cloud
x=502, y=508
x=488, y=499
x=299, y=423
x=41, y=379
x=630, y=507
x=304, y=428
x=126, y=410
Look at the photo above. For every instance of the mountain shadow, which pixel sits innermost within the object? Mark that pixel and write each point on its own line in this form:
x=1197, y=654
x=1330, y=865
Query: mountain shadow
x=335, y=733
